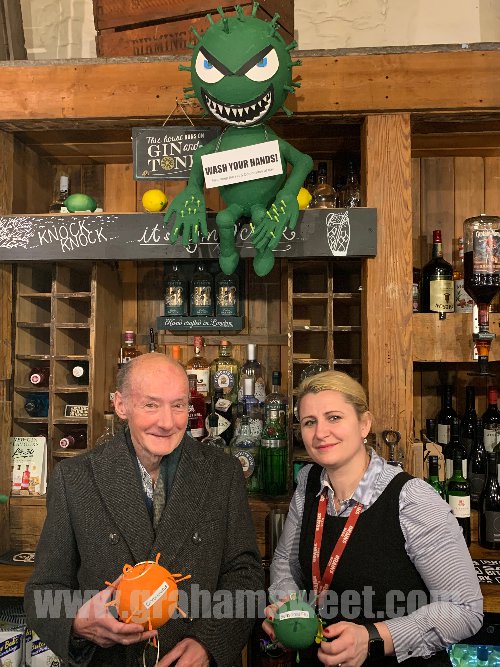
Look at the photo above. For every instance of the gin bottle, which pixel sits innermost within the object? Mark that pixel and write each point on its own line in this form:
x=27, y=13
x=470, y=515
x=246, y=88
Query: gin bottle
x=253, y=369
x=201, y=293
x=225, y=372
x=245, y=447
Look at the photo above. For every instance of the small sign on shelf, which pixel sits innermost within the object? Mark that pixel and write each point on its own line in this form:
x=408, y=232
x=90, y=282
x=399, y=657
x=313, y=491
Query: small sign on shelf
x=173, y=323
x=76, y=410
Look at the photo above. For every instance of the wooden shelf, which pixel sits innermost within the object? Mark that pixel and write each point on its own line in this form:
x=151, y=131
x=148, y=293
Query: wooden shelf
x=33, y=325
x=449, y=340
x=72, y=389
x=33, y=357
x=35, y=295
x=72, y=295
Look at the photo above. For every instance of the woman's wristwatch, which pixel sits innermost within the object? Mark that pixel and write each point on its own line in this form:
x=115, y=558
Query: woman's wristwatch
x=375, y=642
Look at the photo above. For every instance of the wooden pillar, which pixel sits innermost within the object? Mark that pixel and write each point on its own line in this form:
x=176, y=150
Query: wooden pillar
x=387, y=278
x=6, y=193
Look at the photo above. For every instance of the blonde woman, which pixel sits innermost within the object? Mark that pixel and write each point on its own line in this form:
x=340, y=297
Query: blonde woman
x=378, y=549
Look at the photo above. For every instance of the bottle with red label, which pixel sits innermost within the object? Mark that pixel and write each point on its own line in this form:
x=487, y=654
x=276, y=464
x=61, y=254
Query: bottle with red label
x=200, y=367
x=74, y=439
x=39, y=376
x=80, y=372
x=25, y=480
x=197, y=409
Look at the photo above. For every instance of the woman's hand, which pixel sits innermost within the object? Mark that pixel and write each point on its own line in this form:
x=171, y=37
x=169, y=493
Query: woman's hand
x=346, y=645
x=269, y=613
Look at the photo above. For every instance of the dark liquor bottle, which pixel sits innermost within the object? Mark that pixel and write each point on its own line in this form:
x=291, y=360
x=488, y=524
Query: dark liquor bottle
x=433, y=478
x=227, y=289
x=58, y=204
x=74, y=439
x=415, y=289
x=197, y=410
x=491, y=421
x=463, y=301
x=450, y=450
x=477, y=467
x=37, y=405
x=201, y=293
x=458, y=496
x=39, y=376
x=80, y=372
x=445, y=416
x=481, y=266
x=468, y=424
x=128, y=350
x=223, y=408
x=199, y=366
x=489, y=510
x=437, y=295
x=213, y=439
x=176, y=297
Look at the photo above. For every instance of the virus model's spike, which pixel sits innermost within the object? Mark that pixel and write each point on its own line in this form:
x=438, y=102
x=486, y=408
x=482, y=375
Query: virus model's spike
x=196, y=33
x=296, y=84
x=210, y=19
x=287, y=110
x=291, y=46
x=188, y=89
x=189, y=96
x=289, y=89
x=296, y=63
x=190, y=45
x=274, y=20
x=239, y=11
x=255, y=8
x=184, y=68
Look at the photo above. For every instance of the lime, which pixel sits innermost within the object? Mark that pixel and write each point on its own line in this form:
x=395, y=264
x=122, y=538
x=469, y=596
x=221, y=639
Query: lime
x=154, y=201
x=304, y=197
x=80, y=202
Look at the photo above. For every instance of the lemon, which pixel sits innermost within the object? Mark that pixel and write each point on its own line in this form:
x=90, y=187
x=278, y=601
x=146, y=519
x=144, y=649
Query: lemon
x=154, y=201
x=304, y=197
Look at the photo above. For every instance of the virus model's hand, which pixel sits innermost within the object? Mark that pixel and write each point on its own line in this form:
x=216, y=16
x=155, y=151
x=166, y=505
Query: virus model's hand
x=190, y=216
x=283, y=213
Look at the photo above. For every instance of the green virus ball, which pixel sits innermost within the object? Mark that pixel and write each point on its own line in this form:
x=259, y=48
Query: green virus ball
x=80, y=202
x=295, y=624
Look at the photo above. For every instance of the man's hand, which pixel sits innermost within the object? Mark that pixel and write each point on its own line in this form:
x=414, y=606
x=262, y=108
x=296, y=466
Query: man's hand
x=188, y=653
x=190, y=216
x=94, y=622
x=284, y=212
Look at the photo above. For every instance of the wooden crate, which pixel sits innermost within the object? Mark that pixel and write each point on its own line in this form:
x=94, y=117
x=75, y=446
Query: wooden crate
x=157, y=28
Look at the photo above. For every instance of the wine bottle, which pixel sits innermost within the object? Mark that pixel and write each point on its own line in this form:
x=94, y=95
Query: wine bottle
x=468, y=424
x=227, y=289
x=437, y=294
x=201, y=293
x=225, y=372
x=463, y=302
x=109, y=430
x=433, y=478
x=445, y=416
x=452, y=448
x=253, y=369
x=489, y=510
x=37, y=405
x=197, y=409
x=415, y=289
x=74, y=439
x=176, y=296
x=199, y=366
x=491, y=421
x=458, y=496
x=80, y=372
x=477, y=467
x=39, y=376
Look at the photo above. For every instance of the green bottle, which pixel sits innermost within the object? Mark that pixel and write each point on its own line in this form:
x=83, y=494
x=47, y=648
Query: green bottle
x=433, y=478
x=273, y=455
x=458, y=491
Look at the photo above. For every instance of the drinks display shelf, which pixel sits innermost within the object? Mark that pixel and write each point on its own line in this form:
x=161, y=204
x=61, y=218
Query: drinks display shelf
x=221, y=323
x=449, y=340
x=71, y=389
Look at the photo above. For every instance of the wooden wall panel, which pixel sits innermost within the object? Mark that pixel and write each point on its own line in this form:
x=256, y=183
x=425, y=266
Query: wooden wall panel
x=33, y=181
x=387, y=280
x=5, y=472
x=492, y=185
x=469, y=191
x=437, y=204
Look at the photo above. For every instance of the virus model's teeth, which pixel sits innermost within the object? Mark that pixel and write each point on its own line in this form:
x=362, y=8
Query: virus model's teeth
x=240, y=114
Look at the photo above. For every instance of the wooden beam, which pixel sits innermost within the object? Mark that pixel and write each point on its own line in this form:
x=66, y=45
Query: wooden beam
x=387, y=278
x=12, y=46
x=139, y=88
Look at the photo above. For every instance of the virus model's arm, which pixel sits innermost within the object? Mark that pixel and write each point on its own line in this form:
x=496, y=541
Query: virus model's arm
x=189, y=206
x=285, y=209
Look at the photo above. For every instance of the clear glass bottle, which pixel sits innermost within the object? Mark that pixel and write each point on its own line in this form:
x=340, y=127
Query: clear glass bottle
x=176, y=296
x=352, y=194
x=109, y=430
x=227, y=294
x=200, y=367
x=201, y=293
x=458, y=496
x=128, y=350
x=213, y=439
x=311, y=182
x=250, y=406
x=276, y=401
x=313, y=369
x=58, y=204
x=197, y=410
x=274, y=455
x=463, y=302
x=253, y=369
x=437, y=293
x=225, y=373
x=245, y=447
x=223, y=408
x=324, y=194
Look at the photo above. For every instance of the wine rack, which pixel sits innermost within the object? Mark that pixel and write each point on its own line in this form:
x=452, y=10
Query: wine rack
x=66, y=313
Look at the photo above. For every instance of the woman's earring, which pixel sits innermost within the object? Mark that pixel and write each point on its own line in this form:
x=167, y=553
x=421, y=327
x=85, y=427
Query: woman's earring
x=365, y=441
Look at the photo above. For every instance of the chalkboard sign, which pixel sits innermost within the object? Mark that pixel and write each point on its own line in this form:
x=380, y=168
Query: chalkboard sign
x=488, y=571
x=319, y=233
x=166, y=153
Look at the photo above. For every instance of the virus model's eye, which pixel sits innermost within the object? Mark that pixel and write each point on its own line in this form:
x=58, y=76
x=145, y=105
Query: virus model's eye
x=206, y=70
x=265, y=68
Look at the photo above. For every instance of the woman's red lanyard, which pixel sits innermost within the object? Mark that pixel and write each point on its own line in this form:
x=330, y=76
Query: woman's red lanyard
x=321, y=584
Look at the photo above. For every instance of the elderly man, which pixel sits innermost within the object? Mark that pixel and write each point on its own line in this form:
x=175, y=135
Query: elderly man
x=151, y=489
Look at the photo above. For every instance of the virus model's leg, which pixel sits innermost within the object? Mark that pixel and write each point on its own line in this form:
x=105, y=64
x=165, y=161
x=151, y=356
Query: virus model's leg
x=226, y=220
x=263, y=261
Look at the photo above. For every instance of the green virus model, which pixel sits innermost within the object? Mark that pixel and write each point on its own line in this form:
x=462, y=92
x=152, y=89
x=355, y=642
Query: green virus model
x=241, y=73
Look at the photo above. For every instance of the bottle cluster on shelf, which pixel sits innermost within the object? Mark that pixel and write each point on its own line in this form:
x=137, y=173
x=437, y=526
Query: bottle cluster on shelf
x=465, y=464
x=324, y=194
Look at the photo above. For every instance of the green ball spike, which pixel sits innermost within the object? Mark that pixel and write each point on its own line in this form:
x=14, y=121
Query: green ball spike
x=255, y=8
x=4, y=499
x=296, y=63
x=239, y=11
x=195, y=33
x=288, y=111
x=184, y=68
x=210, y=19
x=291, y=46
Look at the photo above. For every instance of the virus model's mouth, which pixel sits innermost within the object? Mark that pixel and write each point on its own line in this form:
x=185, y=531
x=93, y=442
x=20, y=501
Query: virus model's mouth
x=240, y=114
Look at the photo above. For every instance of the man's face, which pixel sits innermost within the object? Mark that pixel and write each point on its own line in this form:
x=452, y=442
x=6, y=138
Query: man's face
x=155, y=406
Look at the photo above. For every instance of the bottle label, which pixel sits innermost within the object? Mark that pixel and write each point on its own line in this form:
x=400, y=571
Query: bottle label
x=443, y=434
x=222, y=424
x=460, y=506
x=227, y=299
x=490, y=439
x=260, y=390
x=486, y=250
x=224, y=379
x=222, y=405
x=415, y=297
x=77, y=371
x=441, y=295
x=492, y=527
x=476, y=486
x=463, y=302
x=201, y=298
x=174, y=298
x=247, y=461
x=202, y=379
x=35, y=378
